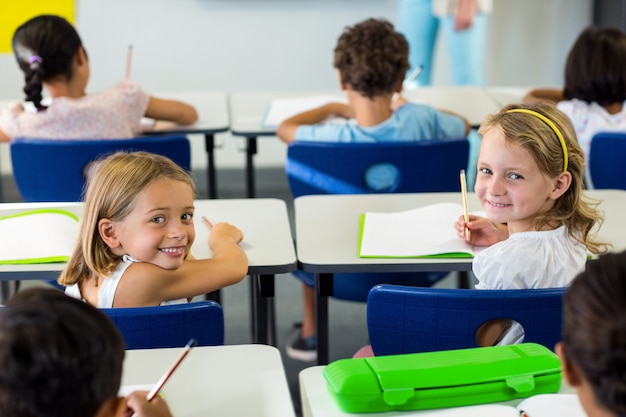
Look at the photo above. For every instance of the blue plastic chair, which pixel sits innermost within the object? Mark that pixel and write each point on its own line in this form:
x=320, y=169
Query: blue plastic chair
x=384, y=167
x=403, y=319
x=606, y=159
x=170, y=326
x=53, y=170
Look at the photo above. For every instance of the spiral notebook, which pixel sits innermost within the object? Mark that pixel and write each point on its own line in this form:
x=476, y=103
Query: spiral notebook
x=424, y=232
x=38, y=236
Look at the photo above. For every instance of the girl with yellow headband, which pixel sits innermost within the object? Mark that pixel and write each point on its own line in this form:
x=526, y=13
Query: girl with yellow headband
x=529, y=183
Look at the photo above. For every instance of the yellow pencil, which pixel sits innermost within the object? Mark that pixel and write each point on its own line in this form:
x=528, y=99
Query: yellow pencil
x=465, y=210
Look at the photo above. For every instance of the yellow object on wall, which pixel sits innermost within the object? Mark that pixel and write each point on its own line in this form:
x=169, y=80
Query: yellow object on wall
x=15, y=12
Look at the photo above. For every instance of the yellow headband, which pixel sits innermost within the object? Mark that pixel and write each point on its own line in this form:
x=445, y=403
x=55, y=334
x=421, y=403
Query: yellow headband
x=552, y=125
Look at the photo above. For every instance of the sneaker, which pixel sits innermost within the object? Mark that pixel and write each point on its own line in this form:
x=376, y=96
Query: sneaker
x=302, y=349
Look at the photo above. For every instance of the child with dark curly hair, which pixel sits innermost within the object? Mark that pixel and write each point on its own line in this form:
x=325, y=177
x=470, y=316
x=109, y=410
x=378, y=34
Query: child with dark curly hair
x=371, y=59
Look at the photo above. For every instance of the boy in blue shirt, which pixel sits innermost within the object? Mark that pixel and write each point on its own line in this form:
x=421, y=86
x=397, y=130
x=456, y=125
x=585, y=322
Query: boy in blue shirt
x=371, y=59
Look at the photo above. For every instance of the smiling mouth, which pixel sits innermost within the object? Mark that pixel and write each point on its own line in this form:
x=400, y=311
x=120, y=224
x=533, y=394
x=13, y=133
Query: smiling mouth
x=173, y=250
x=498, y=205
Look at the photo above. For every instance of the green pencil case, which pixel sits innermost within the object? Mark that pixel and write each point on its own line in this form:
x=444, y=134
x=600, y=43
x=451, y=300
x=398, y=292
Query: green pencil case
x=441, y=379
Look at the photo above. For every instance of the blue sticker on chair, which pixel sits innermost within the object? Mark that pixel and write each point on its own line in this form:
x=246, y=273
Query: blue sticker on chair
x=383, y=177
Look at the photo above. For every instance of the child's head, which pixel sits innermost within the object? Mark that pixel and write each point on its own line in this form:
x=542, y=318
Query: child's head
x=45, y=47
x=154, y=194
x=596, y=67
x=530, y=171
x=372, y=58
x=59, y=356
x=593, y=349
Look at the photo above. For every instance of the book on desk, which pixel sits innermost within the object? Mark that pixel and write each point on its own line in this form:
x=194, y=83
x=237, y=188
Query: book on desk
x=38, y=236
x=425, y=232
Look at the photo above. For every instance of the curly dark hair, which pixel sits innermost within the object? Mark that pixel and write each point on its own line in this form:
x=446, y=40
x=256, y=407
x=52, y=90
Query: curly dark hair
x=372, y=57
x=595, y=69
x=594, y=328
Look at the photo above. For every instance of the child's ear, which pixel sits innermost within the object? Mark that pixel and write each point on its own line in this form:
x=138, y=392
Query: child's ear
x=561, y=184
x=570, y=372
x=106, y=228
x=113, y=407
x=343, y=85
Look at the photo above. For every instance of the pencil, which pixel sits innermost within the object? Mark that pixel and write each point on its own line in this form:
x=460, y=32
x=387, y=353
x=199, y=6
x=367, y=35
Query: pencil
x=465, y=211
x=129, y=59
x=416, y=72
x=170, y=371
x=207, y=221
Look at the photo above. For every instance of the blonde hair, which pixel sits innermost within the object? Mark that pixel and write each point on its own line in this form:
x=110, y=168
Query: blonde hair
x=578, y=213
x=112, y=193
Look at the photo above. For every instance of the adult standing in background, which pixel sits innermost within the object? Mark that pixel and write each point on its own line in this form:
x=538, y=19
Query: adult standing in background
x=463, y=24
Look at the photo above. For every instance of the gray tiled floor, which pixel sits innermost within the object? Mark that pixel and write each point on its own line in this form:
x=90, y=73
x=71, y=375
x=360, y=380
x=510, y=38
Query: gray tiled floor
x=348, y=331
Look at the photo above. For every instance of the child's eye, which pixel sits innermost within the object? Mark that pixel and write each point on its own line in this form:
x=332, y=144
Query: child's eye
x=157, y=219
x=515, y=176
x=187, y=216
x=485, y=171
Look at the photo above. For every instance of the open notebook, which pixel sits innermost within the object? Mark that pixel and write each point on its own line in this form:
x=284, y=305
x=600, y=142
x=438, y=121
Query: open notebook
x=422, y=232
x=37, y=236
x=283, y=108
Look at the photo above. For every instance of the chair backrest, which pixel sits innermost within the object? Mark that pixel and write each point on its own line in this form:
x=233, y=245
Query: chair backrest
x=53, y=170
x=170, y=326
x=360, y=168
x=404, y=319
x=606, y=158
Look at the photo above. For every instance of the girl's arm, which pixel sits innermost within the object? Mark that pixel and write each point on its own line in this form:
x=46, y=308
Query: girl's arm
x=171, y=110
x=286, y=131
x=544, y=95
x=4, y=137
x=146, y=284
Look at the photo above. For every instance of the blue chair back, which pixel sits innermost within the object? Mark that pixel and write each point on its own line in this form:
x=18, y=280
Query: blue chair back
x=170, y=326
x=606, y=159
x=384, y=167
x=53, y=170
x=404, y=319
x=398, y=167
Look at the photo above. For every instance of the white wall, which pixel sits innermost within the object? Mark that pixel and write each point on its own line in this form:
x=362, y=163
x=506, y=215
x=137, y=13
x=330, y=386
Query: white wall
x=256, y=45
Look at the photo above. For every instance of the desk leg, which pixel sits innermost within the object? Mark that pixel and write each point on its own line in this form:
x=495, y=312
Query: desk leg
x=251, y=149
x=209, y=141
x=263, y=317
x=324, y=289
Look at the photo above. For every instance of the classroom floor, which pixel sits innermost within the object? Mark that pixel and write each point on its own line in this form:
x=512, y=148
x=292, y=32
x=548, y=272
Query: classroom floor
x=348, y=330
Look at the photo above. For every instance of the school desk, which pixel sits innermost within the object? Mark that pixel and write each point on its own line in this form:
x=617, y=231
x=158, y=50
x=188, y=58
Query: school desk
x=247, y=111
x=213, y=118
x=504, y=95
x=233, y=380
x=268, y=243
x=327, y=230
x=317, y=402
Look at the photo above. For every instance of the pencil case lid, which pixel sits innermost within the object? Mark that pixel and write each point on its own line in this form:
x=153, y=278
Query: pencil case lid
x=443, y=378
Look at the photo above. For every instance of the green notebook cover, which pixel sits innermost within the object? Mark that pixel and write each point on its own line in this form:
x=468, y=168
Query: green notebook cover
x=37, y=236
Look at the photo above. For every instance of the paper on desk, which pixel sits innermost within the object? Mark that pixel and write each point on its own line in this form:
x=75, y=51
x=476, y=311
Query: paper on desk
x=38, y=236
x=282, y=108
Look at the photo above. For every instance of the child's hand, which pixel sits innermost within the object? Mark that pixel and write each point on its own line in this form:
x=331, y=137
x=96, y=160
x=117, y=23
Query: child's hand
x=224, y=231
x=483, y=232
x=138, y=405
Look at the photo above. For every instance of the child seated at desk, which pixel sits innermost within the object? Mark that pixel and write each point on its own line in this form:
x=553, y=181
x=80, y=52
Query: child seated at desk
x=61, y=357
x=50, y=53
x=593, y=348
x=371, y=59
x=136, y=234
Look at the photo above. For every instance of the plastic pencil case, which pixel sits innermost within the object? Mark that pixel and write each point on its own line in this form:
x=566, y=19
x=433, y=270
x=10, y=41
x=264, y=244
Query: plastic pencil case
x=440, y=379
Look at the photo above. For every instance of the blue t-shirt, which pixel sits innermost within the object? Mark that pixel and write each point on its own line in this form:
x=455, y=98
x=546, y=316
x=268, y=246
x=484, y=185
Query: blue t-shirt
x=411, y=122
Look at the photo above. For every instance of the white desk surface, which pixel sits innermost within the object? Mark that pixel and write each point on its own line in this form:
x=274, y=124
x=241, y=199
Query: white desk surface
x=507, y=95
x=327, y=230
x=248, y=109
x=474, y=103
x=212, y=108
x=317, y=402
x=264, y=222
x=235, y=380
